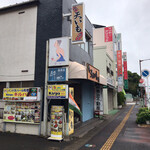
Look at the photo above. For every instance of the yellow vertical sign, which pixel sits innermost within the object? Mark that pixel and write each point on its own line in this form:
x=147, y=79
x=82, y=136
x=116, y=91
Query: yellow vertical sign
x=78, y=23
x=71, y=121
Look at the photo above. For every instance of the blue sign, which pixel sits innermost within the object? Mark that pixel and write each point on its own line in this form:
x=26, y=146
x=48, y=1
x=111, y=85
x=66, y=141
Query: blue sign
x=145, y=73
x=58, y=74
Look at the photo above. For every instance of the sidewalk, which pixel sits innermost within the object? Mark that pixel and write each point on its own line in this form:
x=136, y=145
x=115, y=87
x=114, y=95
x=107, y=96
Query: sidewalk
x=83, y=133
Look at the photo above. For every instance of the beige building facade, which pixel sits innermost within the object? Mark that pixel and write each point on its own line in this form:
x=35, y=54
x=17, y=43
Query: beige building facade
x=105, y=60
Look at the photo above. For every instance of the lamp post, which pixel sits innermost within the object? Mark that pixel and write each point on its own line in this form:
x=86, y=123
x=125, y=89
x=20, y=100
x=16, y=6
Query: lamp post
x=147, y=79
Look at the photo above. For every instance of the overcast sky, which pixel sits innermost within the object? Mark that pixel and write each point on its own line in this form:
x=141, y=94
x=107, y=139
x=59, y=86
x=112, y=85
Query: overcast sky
x=131, y=18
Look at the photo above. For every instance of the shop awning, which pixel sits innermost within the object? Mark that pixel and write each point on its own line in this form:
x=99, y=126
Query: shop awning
x=78, y=71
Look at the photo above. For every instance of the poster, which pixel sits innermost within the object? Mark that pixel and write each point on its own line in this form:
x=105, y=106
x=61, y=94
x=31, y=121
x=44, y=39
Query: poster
x=71, y=121
x=21, y=94
x=22, y=112
x=108, y=34
x=71, y=91
x=59, y=51
x=9, y=112
x=58, y=91
x=56, y=123
x=58, y=74
x=78, y=23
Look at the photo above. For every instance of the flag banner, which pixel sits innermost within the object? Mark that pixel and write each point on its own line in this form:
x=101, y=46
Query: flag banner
x=73, y=105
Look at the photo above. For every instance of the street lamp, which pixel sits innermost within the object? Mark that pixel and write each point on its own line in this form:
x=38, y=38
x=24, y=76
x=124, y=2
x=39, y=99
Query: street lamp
x=140, y=65
x=141, y=76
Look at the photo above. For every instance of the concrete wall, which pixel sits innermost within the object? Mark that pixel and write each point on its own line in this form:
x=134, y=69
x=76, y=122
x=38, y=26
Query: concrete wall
x=49, y=25
x=87, y=100
x=99, y=40
x=17, y=44
x=99, y=54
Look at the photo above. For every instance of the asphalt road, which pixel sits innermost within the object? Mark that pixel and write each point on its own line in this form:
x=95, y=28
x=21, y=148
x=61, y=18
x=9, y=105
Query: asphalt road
x=131, y=137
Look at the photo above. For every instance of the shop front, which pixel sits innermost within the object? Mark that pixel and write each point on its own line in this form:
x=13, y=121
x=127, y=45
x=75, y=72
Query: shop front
x=22, y=110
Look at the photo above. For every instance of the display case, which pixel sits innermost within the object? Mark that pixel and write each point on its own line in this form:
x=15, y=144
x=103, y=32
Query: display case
x=22, y=110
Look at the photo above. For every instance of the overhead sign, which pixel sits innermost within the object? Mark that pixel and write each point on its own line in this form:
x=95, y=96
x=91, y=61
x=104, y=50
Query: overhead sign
x=78, y=23
x=58, y=91
x=92, y=73
x=58, y=74
x=145, y=73
x=21, y=93
x=59, y=51
x=108, y=34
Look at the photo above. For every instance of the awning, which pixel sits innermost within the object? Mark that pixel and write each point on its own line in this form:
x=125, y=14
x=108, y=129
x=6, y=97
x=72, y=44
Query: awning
x=78, y=71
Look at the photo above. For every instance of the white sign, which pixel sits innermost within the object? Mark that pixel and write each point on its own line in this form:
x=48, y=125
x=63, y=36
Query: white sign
x=141, y=85
x=120, y=81
x=59, y=51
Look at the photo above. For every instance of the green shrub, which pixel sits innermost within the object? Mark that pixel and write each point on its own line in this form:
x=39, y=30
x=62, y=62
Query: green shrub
x=121, y=98
x=143, y=115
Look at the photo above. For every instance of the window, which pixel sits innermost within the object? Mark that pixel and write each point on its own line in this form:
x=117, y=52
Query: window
x=85, y=46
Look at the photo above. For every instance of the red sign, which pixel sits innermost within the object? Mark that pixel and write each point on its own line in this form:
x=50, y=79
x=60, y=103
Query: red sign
x=125, y=70
x=141, y=80
x=108, y=34
x=119, y=62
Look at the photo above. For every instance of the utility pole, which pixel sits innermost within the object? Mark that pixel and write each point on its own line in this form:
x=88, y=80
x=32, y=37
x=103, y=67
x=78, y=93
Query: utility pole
x=147, y=80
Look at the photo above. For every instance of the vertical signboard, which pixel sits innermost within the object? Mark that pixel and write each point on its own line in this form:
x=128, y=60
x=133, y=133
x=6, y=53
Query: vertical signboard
x=59, y=51
x=108, y=34
x=71, y=121
x=78, y=23
x=56, y=123
x=125, y=70
x=119, y=45
x=119, y=62
x=125, y=66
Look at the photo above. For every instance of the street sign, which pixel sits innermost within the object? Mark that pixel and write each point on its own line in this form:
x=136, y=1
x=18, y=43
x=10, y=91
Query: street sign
x=145, y=73
x=141, y=80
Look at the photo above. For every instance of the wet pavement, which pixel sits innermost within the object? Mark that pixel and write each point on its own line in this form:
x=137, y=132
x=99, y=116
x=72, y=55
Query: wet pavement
x=131, y=136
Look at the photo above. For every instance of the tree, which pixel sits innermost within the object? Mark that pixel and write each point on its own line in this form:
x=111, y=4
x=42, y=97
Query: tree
x=133, y=81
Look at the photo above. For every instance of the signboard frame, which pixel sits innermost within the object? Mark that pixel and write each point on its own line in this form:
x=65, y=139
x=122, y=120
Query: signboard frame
x=59, y=51
x=61, y=71
x=108, y=34
x=58, y=91
x=93, y=72
x=78, y=37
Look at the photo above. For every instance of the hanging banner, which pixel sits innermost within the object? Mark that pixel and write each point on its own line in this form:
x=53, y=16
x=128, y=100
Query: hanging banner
x=58, y=91
x=108, y=34
x=56, y=123
x=78, y=23
x=125, y=66
x=71, y=121
x=119, y=62
x=22, y=94
x=125, y=70
x=57, y=74
x=92, y=73
x=59, y=51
